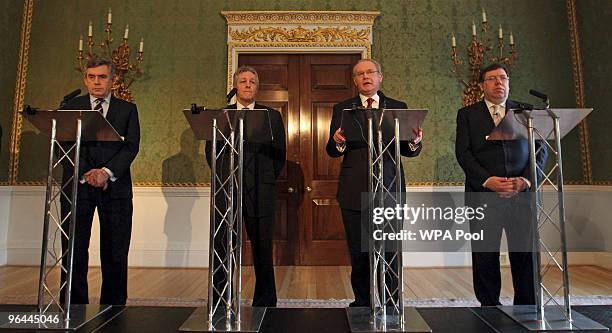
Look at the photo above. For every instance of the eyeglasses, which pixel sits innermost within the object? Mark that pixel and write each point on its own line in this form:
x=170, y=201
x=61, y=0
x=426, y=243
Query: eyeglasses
x=495, y=78
x=368, y=72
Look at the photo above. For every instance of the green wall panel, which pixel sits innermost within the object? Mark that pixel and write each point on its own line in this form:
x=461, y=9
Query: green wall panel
x=10, y=25
x=595, y=31
x=186, y=62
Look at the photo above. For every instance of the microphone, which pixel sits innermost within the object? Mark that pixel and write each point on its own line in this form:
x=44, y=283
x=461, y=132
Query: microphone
x=231, y=94
x=69, y=97
x=382, y=104
x=28, y=109
x=538, y=94
x=520, y=107
x=383, y=100
x=195, y=109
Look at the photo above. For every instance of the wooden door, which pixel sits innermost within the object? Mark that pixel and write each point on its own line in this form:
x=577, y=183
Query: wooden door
x=304, y=88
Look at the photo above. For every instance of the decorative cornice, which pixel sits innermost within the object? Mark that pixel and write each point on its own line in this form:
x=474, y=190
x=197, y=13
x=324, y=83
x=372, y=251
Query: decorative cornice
x=299, y=17
x=20, y=85
x=576, y=53
x=300, y=34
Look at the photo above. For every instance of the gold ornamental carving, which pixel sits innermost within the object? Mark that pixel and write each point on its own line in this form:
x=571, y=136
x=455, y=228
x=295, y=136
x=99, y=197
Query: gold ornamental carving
x=300, y=34
x=300, y=17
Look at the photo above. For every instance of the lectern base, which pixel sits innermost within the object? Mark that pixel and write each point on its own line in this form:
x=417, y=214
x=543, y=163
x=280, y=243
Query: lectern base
x=554, y=320
x=79, y=315
x=361, y=320
x=250, y=321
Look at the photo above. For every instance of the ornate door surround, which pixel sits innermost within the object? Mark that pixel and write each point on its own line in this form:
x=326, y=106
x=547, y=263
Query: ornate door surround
x=297, y=32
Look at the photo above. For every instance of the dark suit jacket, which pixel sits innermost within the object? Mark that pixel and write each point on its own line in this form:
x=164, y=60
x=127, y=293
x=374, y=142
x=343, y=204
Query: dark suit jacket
x=354, y=172
x=116, y=156
x=481, y=159
x=263, y=159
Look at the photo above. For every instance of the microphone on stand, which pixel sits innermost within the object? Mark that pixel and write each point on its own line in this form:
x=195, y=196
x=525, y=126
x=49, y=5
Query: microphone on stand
x=68, y=97
x=541, y=96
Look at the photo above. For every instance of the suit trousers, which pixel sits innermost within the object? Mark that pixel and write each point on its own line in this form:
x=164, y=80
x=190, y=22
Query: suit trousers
x=513, y=218
x=360, y=258
x=115, y=217
x=260, y=231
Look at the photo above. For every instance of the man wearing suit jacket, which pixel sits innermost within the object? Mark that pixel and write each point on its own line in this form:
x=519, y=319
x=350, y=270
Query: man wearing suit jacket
x=500, y=170
x=263, y=162
x=105, y=183
x=367, y=76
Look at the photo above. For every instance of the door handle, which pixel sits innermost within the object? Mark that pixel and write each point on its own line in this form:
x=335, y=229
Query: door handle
x=308, y=189
x=290, y=190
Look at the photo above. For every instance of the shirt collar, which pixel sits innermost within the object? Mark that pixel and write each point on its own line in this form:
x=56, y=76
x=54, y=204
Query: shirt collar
x=490, y=104
x=239, y=106
x=92, y=99
x=364, y=98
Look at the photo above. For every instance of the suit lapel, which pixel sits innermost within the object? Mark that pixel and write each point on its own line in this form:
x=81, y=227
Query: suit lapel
x=485, y=116
x=112, y=112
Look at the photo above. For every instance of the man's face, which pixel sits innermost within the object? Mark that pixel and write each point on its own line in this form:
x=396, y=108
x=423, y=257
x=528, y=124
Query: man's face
x=98, y=81
x=367, y=78
x=246, y=86
x=496, y=86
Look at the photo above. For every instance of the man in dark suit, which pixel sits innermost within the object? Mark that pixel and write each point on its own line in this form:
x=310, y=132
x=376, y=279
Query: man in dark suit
x=105, y=183
x=499, y=170
x=263, y=162
x=367, y=76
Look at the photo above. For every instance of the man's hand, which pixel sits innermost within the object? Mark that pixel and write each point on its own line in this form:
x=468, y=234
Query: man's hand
x=418, y=132
x=97, y=178
x=338, y=137
x=502, y=185
x=520, y=184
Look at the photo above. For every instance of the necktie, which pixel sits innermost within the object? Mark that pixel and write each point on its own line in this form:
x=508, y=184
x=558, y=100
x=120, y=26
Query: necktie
x=370, y=100
x=98, y=106
x=496, y=114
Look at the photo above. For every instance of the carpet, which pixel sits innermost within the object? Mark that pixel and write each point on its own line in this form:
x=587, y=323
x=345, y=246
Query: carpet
x=313, y=303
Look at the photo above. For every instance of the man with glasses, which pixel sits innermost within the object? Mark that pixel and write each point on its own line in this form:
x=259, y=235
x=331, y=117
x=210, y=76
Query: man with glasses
x=498, y=170
x=367, y=76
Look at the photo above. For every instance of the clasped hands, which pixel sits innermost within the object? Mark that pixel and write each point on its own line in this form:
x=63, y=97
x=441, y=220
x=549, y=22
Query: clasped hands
x=506, y=187
x=97, y=178
x=339, y=138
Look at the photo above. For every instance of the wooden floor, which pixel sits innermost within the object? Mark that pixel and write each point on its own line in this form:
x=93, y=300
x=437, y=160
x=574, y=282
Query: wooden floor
x=297, y=282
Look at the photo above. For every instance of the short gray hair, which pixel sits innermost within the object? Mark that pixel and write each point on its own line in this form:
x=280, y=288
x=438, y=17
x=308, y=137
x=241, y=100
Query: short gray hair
x=100, y=61
x=244, y=69
x=376, y=63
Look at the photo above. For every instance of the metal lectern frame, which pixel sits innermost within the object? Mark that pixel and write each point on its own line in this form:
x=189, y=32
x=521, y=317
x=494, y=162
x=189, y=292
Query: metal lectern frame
x=67, y=129
x=226, y=313
x=387, y=311
x=544, y=126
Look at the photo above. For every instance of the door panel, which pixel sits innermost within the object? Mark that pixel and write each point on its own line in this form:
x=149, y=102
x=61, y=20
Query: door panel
x=304, y=88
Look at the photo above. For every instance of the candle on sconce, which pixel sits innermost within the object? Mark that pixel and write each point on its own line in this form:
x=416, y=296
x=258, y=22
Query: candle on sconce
x=127, y=31
x=81, y=43
x=453, y=41
x=484, y=16
x=110, y=17
x=511, y=38
x=90, y=30
x=501, y=33
x=141, y=47
x=473, y=29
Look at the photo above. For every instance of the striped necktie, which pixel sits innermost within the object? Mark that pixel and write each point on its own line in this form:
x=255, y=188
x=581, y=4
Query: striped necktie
x=98, y=106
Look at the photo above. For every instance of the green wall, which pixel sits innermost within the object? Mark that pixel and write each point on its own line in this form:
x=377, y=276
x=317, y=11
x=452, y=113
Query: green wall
x=10, y=23
x=186, y=62
x=594, y=27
